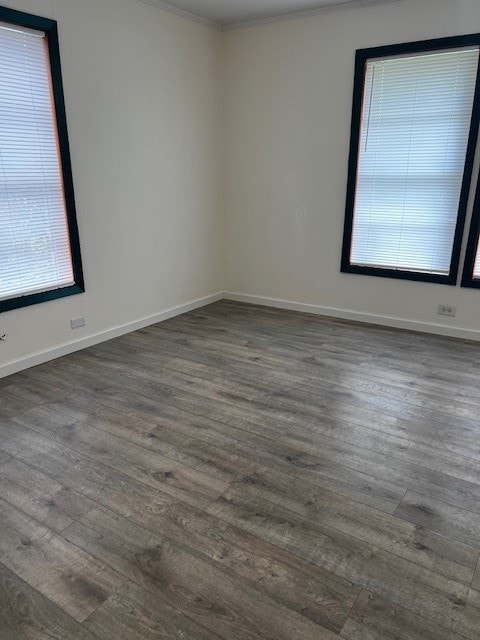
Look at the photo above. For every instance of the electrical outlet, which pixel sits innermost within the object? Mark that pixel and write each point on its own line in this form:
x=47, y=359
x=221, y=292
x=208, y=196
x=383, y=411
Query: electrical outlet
x=76, y=323
x=447, y=310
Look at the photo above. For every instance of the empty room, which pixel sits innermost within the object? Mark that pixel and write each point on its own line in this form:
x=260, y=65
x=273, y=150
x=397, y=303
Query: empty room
x=239, y=320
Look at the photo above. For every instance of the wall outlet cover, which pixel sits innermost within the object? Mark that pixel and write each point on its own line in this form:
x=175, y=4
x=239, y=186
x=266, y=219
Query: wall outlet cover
x=76, y=323
x=447, y=310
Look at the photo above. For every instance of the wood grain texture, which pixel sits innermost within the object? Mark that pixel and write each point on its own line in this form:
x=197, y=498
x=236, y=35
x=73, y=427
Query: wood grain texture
x=373, y=618
x=476, y=577
x=316, y=594
x=242, y=472
x=450, y=521
x=73, y=579
x=222, y=604
x=135, y=614
x=26, y=614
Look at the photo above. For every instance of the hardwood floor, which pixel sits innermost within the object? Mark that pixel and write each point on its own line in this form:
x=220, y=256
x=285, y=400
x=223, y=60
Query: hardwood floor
x=243, y=473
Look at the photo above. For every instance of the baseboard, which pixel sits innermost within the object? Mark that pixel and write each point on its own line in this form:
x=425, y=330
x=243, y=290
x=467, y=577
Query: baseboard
x=359, y=316
x=40, y=357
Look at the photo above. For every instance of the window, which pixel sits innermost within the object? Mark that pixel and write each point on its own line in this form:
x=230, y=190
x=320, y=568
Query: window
x=471, y=273
x=414, y=128
x=39, y=246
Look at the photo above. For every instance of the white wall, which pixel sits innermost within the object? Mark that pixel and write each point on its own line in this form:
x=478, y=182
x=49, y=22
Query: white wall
x=144, y=107
x=288, y=96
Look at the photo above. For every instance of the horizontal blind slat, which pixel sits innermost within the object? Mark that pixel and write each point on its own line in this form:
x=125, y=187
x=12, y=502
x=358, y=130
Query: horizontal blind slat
x=476, y=268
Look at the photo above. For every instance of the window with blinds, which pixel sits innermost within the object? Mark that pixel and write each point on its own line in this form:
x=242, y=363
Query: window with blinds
x=411, y=160
x=37, y=258
x=471, y=272
x=476, y=266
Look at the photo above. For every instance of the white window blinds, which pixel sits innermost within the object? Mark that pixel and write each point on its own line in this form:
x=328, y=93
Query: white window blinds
x=34, y=242
x=415, y=126
x=476, y=268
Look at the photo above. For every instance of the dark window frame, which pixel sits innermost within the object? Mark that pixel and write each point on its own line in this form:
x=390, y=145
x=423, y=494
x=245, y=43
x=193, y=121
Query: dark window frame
x=49, y=27
x=472, y=245
x=361, y=58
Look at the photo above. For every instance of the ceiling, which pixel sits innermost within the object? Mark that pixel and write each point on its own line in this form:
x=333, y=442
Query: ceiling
x=228, y=13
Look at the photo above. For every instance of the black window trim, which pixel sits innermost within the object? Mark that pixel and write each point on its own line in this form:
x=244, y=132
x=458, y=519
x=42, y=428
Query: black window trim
x=361, y=58
x=473, y=245
x=49, y=27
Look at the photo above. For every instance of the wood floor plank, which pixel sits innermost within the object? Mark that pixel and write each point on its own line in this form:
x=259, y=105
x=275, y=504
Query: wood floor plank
x=10, y=402
x=388, y=349
x=476, y=577
x=74, y=580
x=381, y=477
x=327, y=456
x=135, y=614
x=448, y=557
x=202, y=444
x=282, y=401
x=413, y=466
x=35, y=450
x=373, y=618
x=150, y=467
x=270, y=381
x=419, y=590
x=34, y=493
x=195, y=344
x=434, y=515
x=25, y=614
x=259, y=440
x=358, y=390
x=316, y=594
x=219, y=603
x=112, y=489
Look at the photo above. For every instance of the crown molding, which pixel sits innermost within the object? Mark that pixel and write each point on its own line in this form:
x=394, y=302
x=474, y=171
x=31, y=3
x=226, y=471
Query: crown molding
x=182, y=13
x=297, y=15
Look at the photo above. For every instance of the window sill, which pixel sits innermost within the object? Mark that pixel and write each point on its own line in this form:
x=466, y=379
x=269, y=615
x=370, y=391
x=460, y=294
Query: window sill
x=36, y=298
x=471, y=283
x=416, y=276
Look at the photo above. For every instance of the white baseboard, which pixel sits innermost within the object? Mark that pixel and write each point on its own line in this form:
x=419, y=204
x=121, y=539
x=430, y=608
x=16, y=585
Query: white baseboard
x=345, y=314
x=359, y=316
x=40, y=357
